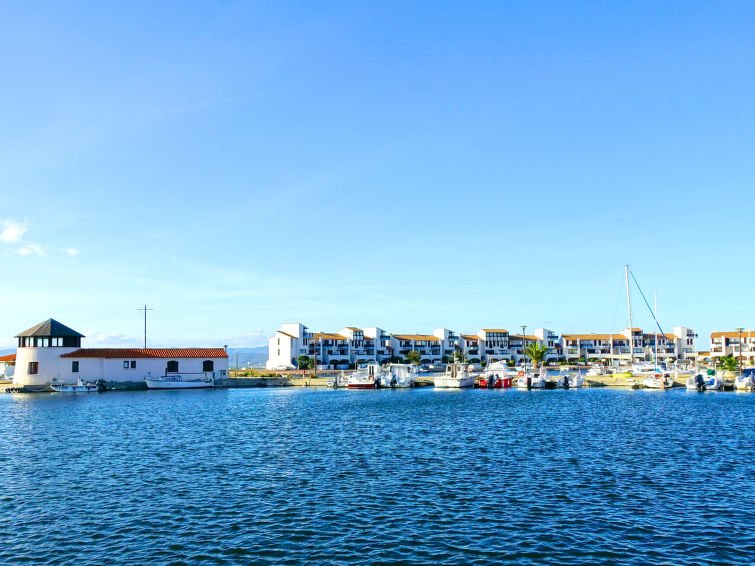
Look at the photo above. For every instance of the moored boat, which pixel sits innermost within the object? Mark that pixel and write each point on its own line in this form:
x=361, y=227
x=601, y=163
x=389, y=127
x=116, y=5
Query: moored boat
x=707, y=381
x=744, y=382
x=530, y=380
x=658, y=381
x=457, y=376
x=570, y=380
x=180, y=381
x=496, y=375
x=79, y=387
x=367, y=376
x=399, y=375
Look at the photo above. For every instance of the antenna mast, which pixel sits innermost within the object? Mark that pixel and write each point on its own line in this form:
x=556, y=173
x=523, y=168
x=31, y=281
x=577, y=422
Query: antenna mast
x=145, y=309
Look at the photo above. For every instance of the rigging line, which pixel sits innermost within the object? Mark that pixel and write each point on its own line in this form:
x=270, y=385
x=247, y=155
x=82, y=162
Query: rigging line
x=646, y=301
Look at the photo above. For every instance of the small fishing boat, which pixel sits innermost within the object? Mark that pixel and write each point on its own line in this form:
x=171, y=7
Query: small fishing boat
x=658, y=381
x=78, y=387
x=399, y=375
x=570, y=380
x=707, y=381
x=496, y=375
x=340, y=380
x=180, y=381
x=367, y=376
x=457, y=376
x=597, y=370
x=744, y=382
x=530, y=380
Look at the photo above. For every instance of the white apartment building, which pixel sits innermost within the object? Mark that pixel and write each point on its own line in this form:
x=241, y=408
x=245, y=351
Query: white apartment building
x=352, y=345
x=728, y=344
x=677, y=345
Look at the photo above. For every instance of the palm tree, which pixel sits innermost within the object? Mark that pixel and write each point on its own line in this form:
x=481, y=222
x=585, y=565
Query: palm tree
x=413, y=357
x=536, y=352
x=729, y=363
x=459, y=356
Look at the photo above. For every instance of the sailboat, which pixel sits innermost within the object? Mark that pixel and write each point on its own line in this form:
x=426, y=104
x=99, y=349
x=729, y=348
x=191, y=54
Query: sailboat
x=656, y=379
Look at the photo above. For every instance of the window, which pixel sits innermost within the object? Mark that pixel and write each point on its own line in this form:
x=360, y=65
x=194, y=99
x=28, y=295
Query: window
x=208, y=365
x=33, y=368
x=133, y=364
x=125, y=364
x=75, y=367
x=172, y=367
x=279, y=351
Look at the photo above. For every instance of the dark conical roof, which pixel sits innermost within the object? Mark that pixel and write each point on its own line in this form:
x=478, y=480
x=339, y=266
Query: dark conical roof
x=49, y=327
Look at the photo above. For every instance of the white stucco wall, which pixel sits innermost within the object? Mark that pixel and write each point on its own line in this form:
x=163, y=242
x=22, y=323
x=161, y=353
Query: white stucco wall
x=53, y=367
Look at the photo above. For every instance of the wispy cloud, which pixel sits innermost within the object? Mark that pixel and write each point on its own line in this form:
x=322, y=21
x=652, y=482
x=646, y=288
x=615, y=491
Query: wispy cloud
x=31, y=249
x=12, y=231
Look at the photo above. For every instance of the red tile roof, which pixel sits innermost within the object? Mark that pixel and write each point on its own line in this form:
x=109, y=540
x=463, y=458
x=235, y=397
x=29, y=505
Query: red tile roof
x=10, y=358
x=147, y=353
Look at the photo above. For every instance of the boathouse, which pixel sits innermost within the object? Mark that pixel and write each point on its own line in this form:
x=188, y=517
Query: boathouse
x=52, y=351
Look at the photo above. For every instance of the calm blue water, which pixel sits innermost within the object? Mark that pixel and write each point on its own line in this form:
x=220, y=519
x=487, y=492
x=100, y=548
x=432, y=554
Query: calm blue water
x=293, y=476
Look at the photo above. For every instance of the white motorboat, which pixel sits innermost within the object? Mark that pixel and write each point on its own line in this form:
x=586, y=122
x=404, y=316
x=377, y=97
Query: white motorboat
x=340, y=380
x=658, y=381
x=570, y=380
x=531, y=380
x=457, y=376
x=644, y=368
x=597, y=370
x=367, y=376
x=78, y=387
x=399, y=375
x=705, y=381
x=181, y=381
x=744, y=382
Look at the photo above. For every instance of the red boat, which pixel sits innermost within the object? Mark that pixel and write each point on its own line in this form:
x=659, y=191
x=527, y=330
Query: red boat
x=497, y=383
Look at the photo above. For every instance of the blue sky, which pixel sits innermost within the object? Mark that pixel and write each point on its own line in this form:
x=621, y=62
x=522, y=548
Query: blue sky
x=409, y=165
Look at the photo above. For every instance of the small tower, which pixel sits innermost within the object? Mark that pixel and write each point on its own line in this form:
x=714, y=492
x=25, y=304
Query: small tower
x=39, y=349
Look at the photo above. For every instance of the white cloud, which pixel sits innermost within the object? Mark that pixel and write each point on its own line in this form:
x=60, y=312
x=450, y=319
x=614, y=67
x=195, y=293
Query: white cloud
x=12, y=231
x=111, y=339
x=70, y=251
x=31, y=249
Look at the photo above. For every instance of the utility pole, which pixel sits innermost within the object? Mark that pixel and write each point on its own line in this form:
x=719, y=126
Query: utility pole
x=145, y=309
x=740, y=330
x=524, y=347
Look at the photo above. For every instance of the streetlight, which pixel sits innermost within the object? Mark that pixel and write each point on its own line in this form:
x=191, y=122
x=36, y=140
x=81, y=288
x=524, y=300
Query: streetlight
x=524, y=342
x=740, y=330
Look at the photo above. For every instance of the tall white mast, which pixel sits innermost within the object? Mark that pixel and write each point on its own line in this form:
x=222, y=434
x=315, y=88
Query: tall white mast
x=629, y=308
x=655, y=317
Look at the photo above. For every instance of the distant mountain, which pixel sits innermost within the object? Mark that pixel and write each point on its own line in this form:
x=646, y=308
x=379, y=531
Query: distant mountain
x=254, y=356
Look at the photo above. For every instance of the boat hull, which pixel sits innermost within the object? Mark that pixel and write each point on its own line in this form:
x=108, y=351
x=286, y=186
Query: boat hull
x=157, y=384
x=361, y=386
x=454, y=382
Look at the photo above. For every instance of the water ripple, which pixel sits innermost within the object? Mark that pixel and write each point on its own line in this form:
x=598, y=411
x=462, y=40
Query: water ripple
x=389, y=477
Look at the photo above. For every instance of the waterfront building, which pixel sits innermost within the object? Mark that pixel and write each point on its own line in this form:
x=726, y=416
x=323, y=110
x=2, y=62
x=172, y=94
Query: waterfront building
x=727, y=343
x=52, y=351
x=679, y=344
x=353, y=345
